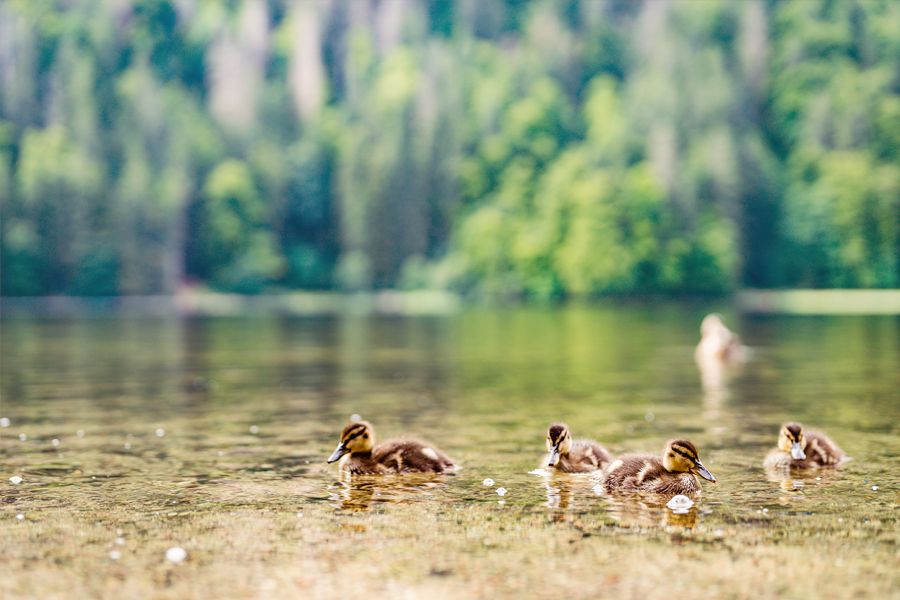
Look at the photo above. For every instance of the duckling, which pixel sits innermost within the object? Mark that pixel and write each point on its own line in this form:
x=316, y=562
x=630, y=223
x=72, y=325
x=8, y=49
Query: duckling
x=803, y=450
x=359, y=455
x=581, y=456
x=717, y=342
x=676, y=473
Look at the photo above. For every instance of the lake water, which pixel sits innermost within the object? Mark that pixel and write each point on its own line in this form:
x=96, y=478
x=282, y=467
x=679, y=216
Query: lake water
x=133, y=436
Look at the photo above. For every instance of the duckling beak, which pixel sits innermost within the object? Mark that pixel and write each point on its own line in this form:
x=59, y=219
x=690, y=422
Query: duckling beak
x=338, y=453
x=554, y=456
x=797, y=452
x=704, y=472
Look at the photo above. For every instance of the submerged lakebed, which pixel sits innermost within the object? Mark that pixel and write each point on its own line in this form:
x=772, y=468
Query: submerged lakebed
x=136, y=436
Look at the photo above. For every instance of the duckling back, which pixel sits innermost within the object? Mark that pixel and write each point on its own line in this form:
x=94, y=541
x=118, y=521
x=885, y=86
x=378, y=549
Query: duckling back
x=584, y=457
x=646, y=473
x=411, y=456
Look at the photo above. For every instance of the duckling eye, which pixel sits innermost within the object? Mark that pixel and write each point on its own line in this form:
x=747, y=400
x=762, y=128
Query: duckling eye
x=365, y=436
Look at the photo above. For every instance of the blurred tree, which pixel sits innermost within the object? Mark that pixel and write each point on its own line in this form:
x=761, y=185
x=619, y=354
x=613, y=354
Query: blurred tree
x=538, y=149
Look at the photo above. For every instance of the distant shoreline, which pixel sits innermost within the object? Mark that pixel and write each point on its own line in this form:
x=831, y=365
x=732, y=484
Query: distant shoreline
x=393, y=302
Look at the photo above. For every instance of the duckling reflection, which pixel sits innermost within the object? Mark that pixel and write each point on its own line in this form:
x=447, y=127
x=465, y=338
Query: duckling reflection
x=559, y=497
x=571, y=498
x=642, y=512
x=716, y=376
x=355, y=494
x=800, y=480
x=361, y=492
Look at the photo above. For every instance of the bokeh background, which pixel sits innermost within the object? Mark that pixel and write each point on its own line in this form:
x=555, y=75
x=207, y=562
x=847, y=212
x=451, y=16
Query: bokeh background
x=536, y=149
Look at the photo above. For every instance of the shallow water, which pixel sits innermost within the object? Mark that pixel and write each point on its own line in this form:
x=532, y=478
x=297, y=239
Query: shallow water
x=211, y=435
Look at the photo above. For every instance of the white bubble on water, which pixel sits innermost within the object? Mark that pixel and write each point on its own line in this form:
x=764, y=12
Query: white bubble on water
x=5, y=422
x=176, y=554
x=160, y=432
x=22, y=437
x=598, y=489
x=355, y=417
x=115, y=555
x=488, y=482
x=54, y=442
x=680, y=504
x=501, y=491
x=127, y=445
x=15, y=480
x=80, y=433
x=20, y=517
x=120, y=541
x=874, y=488
x=254, y=429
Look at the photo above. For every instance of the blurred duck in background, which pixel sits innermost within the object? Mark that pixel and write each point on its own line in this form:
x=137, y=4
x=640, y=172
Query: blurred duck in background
x=718, y=343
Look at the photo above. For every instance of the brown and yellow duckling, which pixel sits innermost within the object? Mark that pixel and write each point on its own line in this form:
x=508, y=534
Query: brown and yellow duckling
x=578, y=456
x=677, y=473
x=360, y=456
x=804, y=450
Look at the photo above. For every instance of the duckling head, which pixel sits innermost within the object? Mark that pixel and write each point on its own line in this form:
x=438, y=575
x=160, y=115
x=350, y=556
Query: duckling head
x=711, y=324
x=791, y=440
x=357, y=437
x=559, y=442
x=682, y=457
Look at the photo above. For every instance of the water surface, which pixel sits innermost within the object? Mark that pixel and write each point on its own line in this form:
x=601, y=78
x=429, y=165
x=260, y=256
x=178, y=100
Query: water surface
x=211, y=434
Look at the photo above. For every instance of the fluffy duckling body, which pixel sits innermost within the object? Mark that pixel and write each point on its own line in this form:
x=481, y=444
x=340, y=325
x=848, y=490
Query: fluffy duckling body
x=578, y=456
x=678, y=471
x=717, y=342
x=803, y=449
x=358, y=454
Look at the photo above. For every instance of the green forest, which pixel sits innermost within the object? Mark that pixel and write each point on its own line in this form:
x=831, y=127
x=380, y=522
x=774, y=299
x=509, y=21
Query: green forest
x=503, y=149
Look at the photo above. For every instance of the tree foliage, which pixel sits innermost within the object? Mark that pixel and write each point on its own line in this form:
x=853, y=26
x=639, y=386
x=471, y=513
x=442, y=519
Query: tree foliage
x=507, y=149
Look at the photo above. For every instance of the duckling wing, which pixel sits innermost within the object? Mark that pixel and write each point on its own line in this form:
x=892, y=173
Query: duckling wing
x=629, y=473
x=821, y=450
x=412, y=456
x=588, y=455
x=645, y=473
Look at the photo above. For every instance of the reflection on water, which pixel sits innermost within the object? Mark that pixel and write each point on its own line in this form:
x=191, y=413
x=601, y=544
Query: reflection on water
x=797, y=480
x=361, y=491
x=212, y=434
x=648, y=511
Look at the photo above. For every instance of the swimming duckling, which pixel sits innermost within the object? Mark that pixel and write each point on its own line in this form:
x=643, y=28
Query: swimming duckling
x=359, y=455
x=676, y=473
x=803, y=450
x=581, y=456
x=717, y=342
